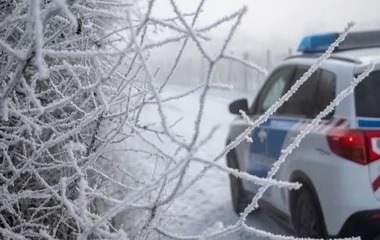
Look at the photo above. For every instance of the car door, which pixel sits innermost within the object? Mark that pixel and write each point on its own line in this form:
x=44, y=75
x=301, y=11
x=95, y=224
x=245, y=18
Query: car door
x=283, y=129
x=273, y=89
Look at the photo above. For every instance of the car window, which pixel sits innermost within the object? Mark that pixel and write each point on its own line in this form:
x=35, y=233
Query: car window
x=367, y=96
x=274, y=93
x=326, y=92
x=273, y=89
x=301, y=103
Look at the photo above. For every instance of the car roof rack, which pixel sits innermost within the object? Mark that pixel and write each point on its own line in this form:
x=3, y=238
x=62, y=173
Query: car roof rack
x=336, y=57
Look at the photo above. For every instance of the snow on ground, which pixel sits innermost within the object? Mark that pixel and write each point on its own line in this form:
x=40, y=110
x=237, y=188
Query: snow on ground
x=209, y=200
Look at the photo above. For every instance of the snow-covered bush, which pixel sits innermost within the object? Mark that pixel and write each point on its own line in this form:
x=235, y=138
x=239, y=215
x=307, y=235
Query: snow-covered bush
x=70, y=99
x=60, y=78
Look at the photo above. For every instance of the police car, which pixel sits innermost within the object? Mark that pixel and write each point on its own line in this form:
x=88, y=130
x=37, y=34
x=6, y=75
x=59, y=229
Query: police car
x=338, y=163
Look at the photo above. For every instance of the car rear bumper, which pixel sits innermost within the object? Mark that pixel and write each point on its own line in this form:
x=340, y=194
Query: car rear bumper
x=363, y=224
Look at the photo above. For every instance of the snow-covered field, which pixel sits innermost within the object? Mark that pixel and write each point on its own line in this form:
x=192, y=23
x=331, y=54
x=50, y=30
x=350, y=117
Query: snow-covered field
x=208, y=201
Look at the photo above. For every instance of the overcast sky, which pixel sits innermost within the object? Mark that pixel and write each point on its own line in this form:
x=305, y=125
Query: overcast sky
x=289, y=19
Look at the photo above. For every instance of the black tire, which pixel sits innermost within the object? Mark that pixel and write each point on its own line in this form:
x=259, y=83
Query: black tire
x=308, y=220
x=240, y=199
x=377, y=237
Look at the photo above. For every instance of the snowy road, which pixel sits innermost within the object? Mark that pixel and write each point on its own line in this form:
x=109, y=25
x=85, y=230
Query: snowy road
x=209, y=200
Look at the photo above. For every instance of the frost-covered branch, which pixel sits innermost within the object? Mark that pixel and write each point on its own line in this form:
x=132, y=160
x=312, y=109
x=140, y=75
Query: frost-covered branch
x=76, y=144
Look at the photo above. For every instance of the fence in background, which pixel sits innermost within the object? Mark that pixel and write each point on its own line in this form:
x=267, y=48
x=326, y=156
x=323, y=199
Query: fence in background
x=192, y=71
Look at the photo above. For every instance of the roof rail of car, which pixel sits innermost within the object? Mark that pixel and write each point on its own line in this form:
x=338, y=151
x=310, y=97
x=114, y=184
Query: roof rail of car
x=317, y=55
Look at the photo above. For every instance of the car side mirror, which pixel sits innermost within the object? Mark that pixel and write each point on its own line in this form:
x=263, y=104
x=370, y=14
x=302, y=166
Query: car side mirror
x=236, y=106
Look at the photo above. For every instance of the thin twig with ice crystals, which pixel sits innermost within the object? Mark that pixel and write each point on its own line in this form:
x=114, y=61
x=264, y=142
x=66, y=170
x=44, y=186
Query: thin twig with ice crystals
x=286, y=152
x=67, y=103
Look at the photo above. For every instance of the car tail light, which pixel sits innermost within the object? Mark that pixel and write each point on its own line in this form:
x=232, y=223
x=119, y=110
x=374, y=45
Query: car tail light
x=373, y=142
x=360, y=146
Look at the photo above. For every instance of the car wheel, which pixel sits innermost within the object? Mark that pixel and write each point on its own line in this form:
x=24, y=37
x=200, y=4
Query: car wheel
x=239, y=196
x=377, y=237
x=308, y=222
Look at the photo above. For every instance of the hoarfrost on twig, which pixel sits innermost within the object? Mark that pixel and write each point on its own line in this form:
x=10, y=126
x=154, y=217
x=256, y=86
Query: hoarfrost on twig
x=68, y=96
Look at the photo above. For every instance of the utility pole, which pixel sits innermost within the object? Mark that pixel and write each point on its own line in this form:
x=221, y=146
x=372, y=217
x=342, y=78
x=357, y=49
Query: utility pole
x=202, y=69
x=269, y=60
x=229, y=72
x=245, y=72
x=290, y=52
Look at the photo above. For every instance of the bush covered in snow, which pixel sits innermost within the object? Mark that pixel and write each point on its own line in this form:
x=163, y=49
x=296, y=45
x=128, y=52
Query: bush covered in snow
x=71, y=131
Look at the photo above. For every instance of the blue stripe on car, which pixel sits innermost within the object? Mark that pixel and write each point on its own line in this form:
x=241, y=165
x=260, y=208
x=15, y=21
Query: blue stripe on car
x=278, y=130
x=362, y=123
x=263, y=154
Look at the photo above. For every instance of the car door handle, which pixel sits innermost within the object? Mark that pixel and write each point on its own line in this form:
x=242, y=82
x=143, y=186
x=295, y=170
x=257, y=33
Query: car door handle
x=262, y=135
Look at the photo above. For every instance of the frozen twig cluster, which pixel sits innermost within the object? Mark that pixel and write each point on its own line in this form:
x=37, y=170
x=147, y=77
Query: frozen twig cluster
x=69, y=96
x=245, y=136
